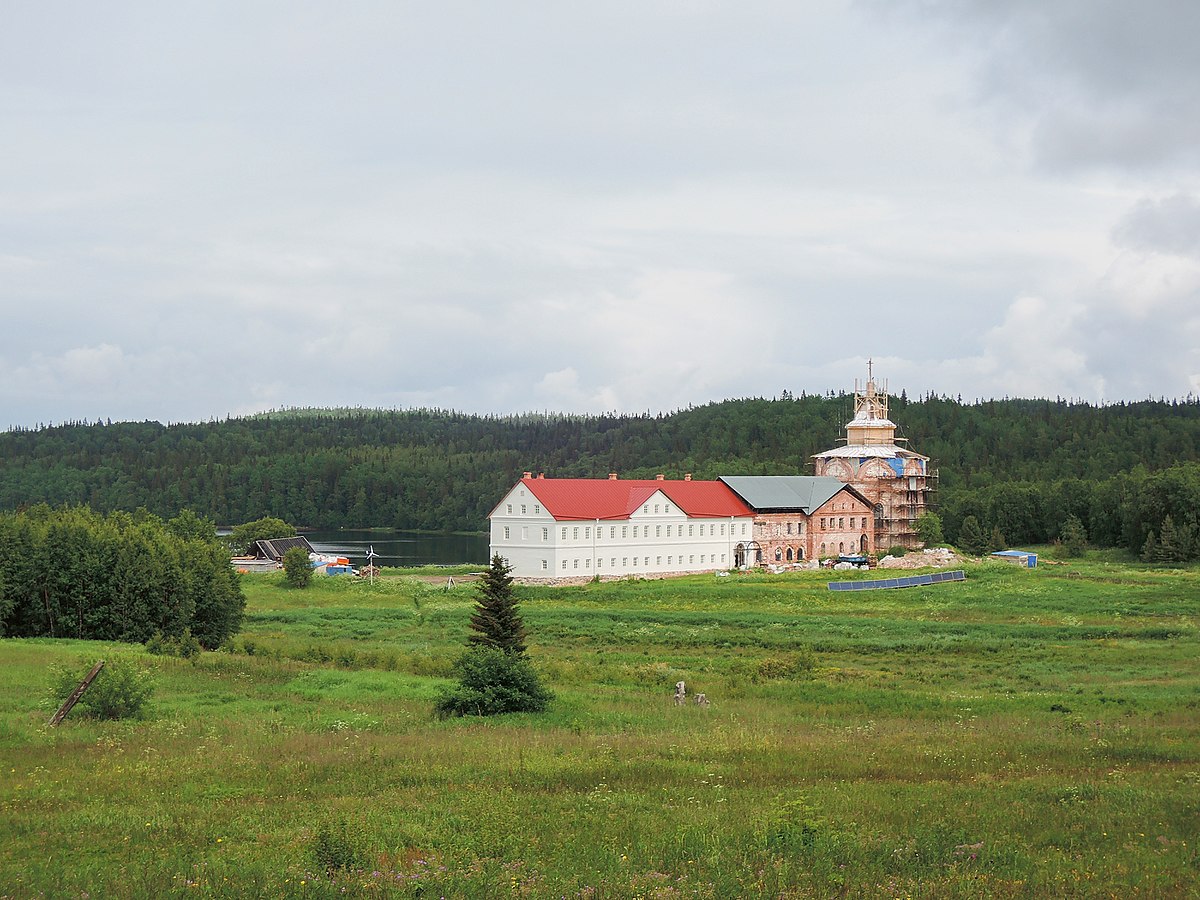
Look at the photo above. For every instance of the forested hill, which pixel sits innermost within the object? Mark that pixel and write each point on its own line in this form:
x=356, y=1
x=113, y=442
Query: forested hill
x=433, y=469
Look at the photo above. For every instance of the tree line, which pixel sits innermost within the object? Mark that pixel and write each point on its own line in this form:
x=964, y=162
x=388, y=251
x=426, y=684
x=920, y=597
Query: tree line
x=72, y=572
x=1014, y=464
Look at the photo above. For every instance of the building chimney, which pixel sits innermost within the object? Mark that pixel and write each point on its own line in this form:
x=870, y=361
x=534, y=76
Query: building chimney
x=542, y=476
x=612, y=476
x=687, y=476
x=525, y=476
x=658, y=477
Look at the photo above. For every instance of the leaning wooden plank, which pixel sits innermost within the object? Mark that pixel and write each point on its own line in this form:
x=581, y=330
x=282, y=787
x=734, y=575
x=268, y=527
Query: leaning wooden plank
x=76, y=694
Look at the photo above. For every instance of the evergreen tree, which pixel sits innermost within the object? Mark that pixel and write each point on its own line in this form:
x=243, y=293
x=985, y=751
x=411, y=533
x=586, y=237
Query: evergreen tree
x=494, y=675
x=1073, y=537
x=971, y=538
x=496, y=622
x=995, y=540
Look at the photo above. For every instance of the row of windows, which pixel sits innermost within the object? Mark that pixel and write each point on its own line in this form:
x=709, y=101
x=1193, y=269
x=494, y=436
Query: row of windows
x=780, y=528
x=799, y=554
x=841, y=522
x=705, y=559
x=537, y=509
x=644, y=531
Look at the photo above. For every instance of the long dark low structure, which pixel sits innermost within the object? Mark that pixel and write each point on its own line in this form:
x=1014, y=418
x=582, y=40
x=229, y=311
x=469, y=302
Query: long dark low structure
x=908, y=581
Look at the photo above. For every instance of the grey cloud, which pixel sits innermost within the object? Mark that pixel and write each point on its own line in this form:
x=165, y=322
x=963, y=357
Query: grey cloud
x=1094, y=82
x=1167, y=225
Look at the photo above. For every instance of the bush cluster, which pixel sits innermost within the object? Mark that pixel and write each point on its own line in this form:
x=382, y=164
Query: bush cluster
x=73, y=573
x=121, y=690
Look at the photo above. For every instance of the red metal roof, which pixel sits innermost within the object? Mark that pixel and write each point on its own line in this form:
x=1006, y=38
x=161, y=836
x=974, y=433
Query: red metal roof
x=607, y=498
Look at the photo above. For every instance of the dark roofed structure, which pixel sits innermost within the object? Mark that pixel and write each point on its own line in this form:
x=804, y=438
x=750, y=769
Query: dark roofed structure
x=782, y=493
x=276, y=547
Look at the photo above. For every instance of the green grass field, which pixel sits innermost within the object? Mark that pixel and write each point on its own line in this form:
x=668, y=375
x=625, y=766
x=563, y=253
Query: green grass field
x=1025, y=733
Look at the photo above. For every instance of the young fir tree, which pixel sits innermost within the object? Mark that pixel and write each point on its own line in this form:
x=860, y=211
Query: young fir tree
x=496, y=622
x=971, y=538
x=1073, y=537
x=494, y=675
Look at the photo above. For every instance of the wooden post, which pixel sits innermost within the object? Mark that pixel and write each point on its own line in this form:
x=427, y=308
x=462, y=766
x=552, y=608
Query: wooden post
x=76, y=694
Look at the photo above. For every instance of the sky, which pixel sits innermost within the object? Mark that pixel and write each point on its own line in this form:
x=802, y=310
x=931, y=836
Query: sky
x=215, y=208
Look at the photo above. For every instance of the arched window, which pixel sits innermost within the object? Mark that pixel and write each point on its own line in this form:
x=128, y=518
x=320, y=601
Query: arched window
x=841, y=546
x=789, y=554
x=778, y=554
x=822, y=549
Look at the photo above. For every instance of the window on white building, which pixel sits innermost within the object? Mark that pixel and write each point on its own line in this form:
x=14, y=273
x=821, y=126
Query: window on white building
x=574, y=534
x=506, y=532
x=624, y=531
x=522, y=509
x=656, y=509
x=691, y=531
x=537, y=510
x=509, y=509
x=575, y=564
x=545, y=534
x=612, y=532
x=587, y=533
x=564, y=534
x=658, y=531
x=545, y=565
x=564, y=563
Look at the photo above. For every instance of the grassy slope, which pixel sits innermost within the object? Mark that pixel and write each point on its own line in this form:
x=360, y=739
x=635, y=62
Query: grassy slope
x=1024, y=732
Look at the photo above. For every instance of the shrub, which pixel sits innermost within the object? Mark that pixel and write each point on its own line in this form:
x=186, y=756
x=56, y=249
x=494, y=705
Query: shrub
x=338, y=847
x=802, y=662
x=297, y=570
x=929, y=529
x=897, y=551
x=185, y=646
x=491, y=682
x=120, y=691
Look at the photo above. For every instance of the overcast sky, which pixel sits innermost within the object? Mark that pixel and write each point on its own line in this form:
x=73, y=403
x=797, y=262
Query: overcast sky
x=212, y=208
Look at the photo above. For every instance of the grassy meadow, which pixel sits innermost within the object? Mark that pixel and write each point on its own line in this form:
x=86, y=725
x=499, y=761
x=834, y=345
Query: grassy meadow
x=1024, y=733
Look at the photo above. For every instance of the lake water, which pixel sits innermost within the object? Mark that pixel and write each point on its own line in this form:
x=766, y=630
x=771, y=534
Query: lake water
x=401, y=548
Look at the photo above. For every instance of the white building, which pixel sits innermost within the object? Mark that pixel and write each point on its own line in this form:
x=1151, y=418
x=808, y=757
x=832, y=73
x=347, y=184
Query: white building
x=582, y=527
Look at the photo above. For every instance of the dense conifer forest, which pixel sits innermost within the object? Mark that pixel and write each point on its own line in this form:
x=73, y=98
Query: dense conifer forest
x=1021, y=466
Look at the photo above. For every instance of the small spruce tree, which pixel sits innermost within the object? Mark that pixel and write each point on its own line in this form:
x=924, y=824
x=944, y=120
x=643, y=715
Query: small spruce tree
x=496, y=622
x=494, y=675
x=995, y=540
x=1073, y=537
x=971, y=538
